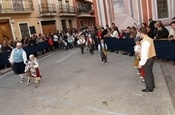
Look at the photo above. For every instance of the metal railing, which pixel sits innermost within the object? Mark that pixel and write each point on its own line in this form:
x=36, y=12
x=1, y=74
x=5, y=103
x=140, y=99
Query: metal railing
x=82, y=11
x=48, y=9
x=15, y=6
x=66, y=9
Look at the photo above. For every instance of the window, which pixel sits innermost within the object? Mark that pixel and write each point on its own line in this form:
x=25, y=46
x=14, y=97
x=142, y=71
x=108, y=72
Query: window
x=162, y=9
x=63, y=23
x=24, y=30
x=81, y=23
x=18, y=5
x=67, y=5
x=70, y=24
x=60, y=2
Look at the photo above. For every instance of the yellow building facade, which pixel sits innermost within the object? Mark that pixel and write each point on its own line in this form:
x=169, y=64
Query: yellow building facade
x=23, y=18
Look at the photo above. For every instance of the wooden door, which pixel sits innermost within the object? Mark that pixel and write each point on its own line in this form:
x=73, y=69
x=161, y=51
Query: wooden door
x=5, y=30
x=48, y=26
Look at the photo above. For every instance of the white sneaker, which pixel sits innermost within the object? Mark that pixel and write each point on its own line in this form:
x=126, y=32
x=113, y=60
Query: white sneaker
x=102, y=62
x=22, y=80
x=28, y=83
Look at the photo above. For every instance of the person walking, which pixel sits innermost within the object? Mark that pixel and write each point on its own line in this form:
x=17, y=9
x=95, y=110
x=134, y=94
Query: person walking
x=91, y=44
x=33, y=71
x=81, y=43
x=18, y=59
x=102, y=47
x=147, y=59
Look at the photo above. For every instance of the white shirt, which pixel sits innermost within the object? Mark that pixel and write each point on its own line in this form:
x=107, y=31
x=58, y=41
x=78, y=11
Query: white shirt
x=55, y=38
x=137, y=48
x=144, y=52
x=114, y=34
x=172, y=32
x=103, y=45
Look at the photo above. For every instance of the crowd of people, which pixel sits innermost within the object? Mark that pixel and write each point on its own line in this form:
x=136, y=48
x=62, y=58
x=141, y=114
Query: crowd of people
x=68, y=39
x=92, y=38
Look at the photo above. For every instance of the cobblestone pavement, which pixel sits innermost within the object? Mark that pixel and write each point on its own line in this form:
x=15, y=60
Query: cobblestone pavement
x=75, y=84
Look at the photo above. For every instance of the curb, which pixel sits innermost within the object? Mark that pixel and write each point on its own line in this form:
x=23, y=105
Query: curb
x=8, y=70
x=169, y=81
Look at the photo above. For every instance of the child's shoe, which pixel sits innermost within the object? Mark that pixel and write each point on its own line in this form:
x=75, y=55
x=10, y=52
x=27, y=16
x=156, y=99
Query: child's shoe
x=36, y=85
x=22, y=80
x=28, y=83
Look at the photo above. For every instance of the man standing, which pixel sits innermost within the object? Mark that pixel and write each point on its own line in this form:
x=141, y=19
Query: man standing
x=102, y=47
x=147, y=59
x=18, y=59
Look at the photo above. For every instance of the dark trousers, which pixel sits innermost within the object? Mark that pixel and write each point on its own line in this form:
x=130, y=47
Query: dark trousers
x=82, y=49
x=103, y=57
x=91, y=49
x=149, y=77
x=55, y=44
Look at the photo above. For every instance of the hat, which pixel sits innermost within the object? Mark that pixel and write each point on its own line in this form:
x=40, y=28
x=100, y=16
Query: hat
x=137, y=39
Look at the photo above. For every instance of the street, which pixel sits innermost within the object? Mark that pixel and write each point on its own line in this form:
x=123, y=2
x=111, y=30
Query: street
x=75, y=84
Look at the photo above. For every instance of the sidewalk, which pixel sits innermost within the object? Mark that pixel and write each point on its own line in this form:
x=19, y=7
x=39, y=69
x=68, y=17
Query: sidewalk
x=169, y=73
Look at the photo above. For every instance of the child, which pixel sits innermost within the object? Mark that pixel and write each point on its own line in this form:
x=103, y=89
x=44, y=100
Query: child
x=91, y=43
x=102, y=47
x=32, y=69
x=137, y=49
x=81, y=43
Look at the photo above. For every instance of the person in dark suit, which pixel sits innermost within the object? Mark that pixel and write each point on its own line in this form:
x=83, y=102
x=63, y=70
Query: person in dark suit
x=162, y=32
x=152, y=27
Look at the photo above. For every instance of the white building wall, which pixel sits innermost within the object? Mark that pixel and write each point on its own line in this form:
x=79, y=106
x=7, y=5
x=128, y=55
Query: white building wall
x=101, y=12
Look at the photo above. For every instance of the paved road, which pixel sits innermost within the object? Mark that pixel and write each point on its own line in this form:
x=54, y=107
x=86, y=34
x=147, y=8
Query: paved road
x=75, y=84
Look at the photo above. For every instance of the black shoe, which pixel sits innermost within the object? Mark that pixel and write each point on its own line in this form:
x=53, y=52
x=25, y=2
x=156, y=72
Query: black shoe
x=147, y=90
x=131, y=54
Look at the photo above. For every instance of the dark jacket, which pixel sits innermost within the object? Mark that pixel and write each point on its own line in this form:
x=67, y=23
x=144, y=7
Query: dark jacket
x=164, y=33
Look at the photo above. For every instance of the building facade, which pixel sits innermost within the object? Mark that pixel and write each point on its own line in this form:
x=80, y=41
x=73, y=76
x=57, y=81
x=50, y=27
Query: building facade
x=133, y=12
x=23, y=18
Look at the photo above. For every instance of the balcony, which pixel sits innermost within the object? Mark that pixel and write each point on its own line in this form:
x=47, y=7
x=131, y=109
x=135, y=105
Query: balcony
x=65, y=10
x=46, y=9
x=85, y=12
x=16, y=6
